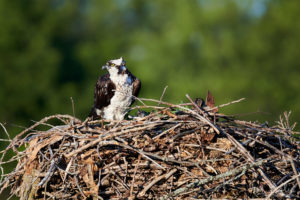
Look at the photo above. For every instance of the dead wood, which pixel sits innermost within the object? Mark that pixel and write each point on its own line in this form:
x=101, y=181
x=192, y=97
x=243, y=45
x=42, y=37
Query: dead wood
x=180, y=151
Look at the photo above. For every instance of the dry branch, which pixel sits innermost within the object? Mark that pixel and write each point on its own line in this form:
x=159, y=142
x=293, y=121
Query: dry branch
x=178, y=151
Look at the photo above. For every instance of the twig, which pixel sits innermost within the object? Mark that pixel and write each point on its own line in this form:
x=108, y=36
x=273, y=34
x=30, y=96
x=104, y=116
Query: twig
x=50, y=171
x=227, y=104
x=243, y=143
x=197, y=183
x=249, y=158
x=166, y=131
x=39, y=123
x=90, y=144
x=79, y=188
x=295, y=171
x=106, y=155
x=165, y=176
x=281, y=185
x=73, y=108
x=134, y=174
x=188, y=110
x=196, y=106
x=267, y=145
x=144, y=154
x=67, y=169
x=162, y=95
x=219, y=106
x=5, y=131
x=105, y=136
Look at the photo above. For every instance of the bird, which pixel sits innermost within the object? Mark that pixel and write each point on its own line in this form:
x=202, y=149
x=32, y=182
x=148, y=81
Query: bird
x=208, y=105
x=115, y=91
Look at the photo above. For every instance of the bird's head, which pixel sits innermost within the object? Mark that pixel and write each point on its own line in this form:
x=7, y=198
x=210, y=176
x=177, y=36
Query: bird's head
x=117, y=66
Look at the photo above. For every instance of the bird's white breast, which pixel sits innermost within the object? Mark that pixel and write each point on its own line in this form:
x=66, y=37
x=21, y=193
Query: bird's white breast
x=122, y=98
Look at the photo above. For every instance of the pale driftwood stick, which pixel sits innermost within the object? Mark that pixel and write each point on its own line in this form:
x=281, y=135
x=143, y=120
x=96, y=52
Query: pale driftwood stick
x=12, y=159
x=243, y=143
x=107, y=135
x=99, y=142
x=230, y=180
x=73, y=108
x=139, y=99
x=293, y=189
x=185, y=132
x=91, y=184
x=144, y=154
x=67, y=169
x=249, y=158
x=197, y=183
x=133, y=128
x=201, y=117
x=186, y=153
x=295, y=171
x=17, y=140
x=43, y=121
x=268, y=145
x=219, y=106
x=284, y=178
x=141, y=166
x=166, y=131
x=134, y=174
x=185, y=163
x=26, y=162
x=219, y=186
x=153, y=107
x=216, y=149
x=227, y=104
x=121, y=182
x=79, y=188
x=266, y=129
x=48, y=194
x=60, y=128
x=188, y=110
x=151, y=114
x=5, y=131
x=5, y=140
x=162, y=95
x=281, y=185
x=195, y=105
x=111, y=142
x=4, y=152
x=164, y=176
x=48, y=174
x=162, y=102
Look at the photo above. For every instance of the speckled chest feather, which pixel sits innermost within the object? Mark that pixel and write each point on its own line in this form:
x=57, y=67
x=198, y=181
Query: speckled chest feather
x=122, y=98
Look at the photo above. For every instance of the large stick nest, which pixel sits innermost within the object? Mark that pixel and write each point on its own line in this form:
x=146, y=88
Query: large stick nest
x=176, y=152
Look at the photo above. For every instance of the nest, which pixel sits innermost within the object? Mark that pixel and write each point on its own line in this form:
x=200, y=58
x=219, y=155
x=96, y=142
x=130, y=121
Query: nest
x=176, y=152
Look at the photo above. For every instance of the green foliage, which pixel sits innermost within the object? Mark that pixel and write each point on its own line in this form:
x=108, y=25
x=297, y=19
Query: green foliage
x=52, y=50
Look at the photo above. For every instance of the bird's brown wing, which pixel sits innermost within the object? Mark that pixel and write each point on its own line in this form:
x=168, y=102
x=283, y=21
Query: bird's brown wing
x=136, y=88
x=104, y=91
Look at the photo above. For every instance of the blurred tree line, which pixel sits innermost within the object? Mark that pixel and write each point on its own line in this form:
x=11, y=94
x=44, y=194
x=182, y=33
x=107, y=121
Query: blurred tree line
x=52, y=50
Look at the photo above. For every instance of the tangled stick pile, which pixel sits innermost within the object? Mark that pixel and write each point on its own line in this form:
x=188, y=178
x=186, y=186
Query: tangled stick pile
x=176, y=152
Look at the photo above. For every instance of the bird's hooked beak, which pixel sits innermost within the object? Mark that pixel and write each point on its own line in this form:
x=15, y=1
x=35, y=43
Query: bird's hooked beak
x=105, y=67
x=114, y=63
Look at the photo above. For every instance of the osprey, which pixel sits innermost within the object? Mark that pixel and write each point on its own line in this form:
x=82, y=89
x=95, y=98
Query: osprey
x=115, y=91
